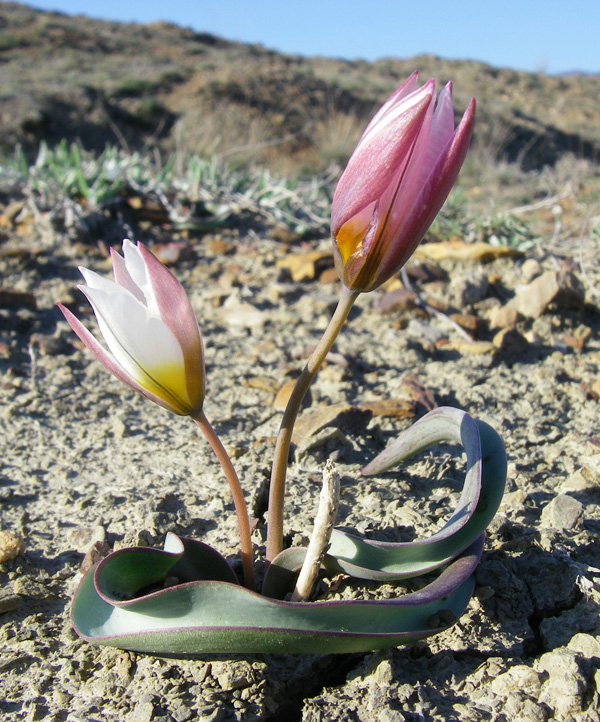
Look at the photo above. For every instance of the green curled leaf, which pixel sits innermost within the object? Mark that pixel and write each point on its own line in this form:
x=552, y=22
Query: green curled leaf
x=182, y=560
x=198, y=617
x=481, y=495
x=185, y=599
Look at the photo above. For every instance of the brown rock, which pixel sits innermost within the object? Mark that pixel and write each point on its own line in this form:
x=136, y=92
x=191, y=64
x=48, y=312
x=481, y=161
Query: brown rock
x=329, y=275
x=594, y=442
x=471, y=323
x=419, y=393
x=392, y=408
x=579, y=337
x=306, y=266
x=459, y=250
x=342, y=416
x=11, y=545
x=477, y=347
x=396, y=301
x=283, y=396
x=221, y=246
x=11, y=213
x=264, y=383
x=99, y=550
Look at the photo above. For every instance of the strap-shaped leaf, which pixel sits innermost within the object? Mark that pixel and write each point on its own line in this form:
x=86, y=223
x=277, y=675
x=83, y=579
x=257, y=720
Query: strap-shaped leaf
x=217, y=616
x=481, y=495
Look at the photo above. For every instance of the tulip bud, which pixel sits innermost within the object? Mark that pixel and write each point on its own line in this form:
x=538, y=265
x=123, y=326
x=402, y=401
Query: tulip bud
x=150, y=329
x=396, y=181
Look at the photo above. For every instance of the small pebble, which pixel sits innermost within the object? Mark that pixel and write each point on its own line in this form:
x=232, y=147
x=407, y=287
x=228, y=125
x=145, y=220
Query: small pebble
x=11, y=545
x=503, y=317
x=563, y=512
x=531, y=269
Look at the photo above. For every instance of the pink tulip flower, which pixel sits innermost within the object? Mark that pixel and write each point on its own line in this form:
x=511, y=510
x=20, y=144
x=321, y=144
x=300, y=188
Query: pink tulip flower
x=147, y=321
x=396, y=181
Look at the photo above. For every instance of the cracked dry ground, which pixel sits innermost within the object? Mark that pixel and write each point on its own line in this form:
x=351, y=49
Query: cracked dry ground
x=84, y=460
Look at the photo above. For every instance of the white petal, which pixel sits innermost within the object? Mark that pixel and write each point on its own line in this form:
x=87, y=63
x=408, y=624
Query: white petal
x=123, y=278
x=140, y=342
x=133, y=261
x=95, y=280
x=139, y=274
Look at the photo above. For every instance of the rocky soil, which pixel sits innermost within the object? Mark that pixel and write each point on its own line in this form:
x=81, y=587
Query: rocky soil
x=511, y=339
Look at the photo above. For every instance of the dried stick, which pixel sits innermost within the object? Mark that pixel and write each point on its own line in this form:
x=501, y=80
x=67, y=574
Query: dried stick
x=329, y=500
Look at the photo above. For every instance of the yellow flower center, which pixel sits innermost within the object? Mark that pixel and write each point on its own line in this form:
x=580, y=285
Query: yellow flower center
x=350, y=237
x=167, y=381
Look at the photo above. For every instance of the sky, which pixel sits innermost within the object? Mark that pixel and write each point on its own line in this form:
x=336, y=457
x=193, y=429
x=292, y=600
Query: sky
x=551, y=36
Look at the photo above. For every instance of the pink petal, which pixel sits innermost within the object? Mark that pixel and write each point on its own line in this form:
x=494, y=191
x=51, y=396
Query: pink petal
x=391, y=104
x=433, y=193
x=441, y=132
x=379, y=157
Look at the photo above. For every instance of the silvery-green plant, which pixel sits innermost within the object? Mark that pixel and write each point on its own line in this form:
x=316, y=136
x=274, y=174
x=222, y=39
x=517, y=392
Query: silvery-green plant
x=65, y=171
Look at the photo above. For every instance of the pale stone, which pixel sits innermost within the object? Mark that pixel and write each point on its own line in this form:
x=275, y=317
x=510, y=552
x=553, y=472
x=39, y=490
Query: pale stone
x=530, y=269
x=577, y=482
x=563, y=512
x=503, y=317
x=241, y=313
x=565, y=686
x=552, y=286
x=585, y=644
x=520, y=677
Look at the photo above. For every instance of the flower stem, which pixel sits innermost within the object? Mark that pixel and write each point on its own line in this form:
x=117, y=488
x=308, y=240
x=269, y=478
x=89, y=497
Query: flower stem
x=284, y=438
x=237, y=494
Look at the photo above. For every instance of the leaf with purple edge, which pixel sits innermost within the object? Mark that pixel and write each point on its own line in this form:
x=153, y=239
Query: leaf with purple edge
x=199, y=617
x=482, y=492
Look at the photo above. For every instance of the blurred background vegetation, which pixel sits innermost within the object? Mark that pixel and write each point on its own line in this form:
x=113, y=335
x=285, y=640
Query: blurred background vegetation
x=94, y=114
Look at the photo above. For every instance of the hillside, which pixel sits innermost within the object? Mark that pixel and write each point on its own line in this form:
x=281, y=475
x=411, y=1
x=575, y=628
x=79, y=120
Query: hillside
x=144, y=86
